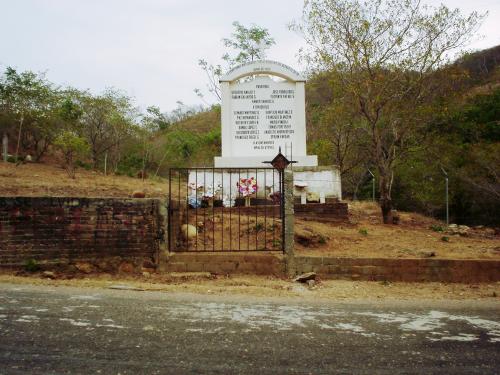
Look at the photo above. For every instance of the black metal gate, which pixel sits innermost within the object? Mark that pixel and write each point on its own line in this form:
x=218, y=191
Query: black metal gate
x=225, y=209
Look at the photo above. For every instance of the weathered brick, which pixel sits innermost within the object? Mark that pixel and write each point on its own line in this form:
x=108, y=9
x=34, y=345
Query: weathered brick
x=46, y=228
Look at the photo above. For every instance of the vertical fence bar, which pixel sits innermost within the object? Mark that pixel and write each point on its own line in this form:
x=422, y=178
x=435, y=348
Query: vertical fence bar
x=282, y=195
x=204, y=211
x=230, y=212
x=222, y=208
x=247, y=209
x=179, y=199
x=213, y=210
x=274, y=219
x=196, y=204
x=239, y=209
x=169, y=210
x=187, y=209
x=265, y=210
x=256, y=209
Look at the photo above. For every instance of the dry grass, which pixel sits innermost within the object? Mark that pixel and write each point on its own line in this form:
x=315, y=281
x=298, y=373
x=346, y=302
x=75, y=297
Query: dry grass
x=365, y=236
x=34, y=179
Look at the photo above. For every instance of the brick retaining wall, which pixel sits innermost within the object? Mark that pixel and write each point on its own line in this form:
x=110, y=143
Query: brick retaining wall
x=65, y=230
x=327, y=212
x=410, y=270
x=226, y=263
x=378, y=269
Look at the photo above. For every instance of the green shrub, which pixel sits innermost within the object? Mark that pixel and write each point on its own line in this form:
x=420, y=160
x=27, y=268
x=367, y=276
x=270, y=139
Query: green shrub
x=84, y=165
x=437, y=228
x=31, y=265
x=363, y=231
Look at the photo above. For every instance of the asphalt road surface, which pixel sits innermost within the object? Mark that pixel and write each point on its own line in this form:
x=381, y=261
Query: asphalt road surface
x=59, y=330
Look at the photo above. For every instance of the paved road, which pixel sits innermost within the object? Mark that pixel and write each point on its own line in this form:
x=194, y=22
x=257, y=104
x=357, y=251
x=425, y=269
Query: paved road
x=87, y=331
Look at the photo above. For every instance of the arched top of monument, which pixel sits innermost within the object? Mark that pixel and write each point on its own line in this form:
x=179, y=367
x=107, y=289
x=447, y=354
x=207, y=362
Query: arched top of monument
x=262, y=67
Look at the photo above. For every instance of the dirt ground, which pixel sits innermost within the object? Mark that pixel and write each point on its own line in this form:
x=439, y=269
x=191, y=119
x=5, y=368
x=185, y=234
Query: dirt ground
x=33, y=179
x=362, y=236
x=260, y=286
x=365, y=236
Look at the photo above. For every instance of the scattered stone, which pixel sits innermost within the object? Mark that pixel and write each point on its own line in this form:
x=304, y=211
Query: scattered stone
x=84, y=267
x=188, y=231
x=311, y=283
x=103, y=265
x=427, y=254
x=306, y=237
x=462, y=230
x=49, y=274
x=148, y=264
x=146, y=274
x=138, y=194
x=305, y=277
x=126, y=267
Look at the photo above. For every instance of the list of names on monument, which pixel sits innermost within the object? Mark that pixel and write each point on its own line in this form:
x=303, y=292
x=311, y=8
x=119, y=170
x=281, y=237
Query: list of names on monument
x=262, y=116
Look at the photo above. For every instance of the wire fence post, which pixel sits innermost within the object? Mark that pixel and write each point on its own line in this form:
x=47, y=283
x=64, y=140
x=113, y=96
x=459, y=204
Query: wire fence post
x=446, y=196
x=447, y=204
x=373, y=185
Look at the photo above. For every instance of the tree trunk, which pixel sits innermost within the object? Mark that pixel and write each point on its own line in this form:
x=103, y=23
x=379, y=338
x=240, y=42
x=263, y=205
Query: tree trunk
x=19, y=137
x=94, y=159
x=5, y=146
x=385, y=195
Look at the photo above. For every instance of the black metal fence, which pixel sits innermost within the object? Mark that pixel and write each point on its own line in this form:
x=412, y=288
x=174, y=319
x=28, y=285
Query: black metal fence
x=225, y=209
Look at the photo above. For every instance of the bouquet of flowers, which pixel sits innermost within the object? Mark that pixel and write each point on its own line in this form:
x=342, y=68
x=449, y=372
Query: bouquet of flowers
x=247, y=186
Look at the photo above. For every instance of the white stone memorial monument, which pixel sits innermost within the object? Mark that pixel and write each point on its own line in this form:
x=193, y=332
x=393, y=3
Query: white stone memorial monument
x=261, y=114
x=263, y=109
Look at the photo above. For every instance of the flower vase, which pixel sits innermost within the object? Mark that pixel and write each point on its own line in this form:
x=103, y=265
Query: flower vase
x=247, y=201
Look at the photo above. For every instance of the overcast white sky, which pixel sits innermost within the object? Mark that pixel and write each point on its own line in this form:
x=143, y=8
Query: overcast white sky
x=150, y=48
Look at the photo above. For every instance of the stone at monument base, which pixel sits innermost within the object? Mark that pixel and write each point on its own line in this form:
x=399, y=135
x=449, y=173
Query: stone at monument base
x=318, y=180
x=257, y=162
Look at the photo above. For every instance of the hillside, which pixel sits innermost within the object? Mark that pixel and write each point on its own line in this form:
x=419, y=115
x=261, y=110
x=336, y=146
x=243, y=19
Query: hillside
x=200, y=123
x=33, y=179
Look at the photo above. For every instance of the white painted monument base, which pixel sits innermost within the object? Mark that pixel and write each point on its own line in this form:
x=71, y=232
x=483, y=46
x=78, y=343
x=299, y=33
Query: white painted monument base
x=258, y=162
x=324, y=180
